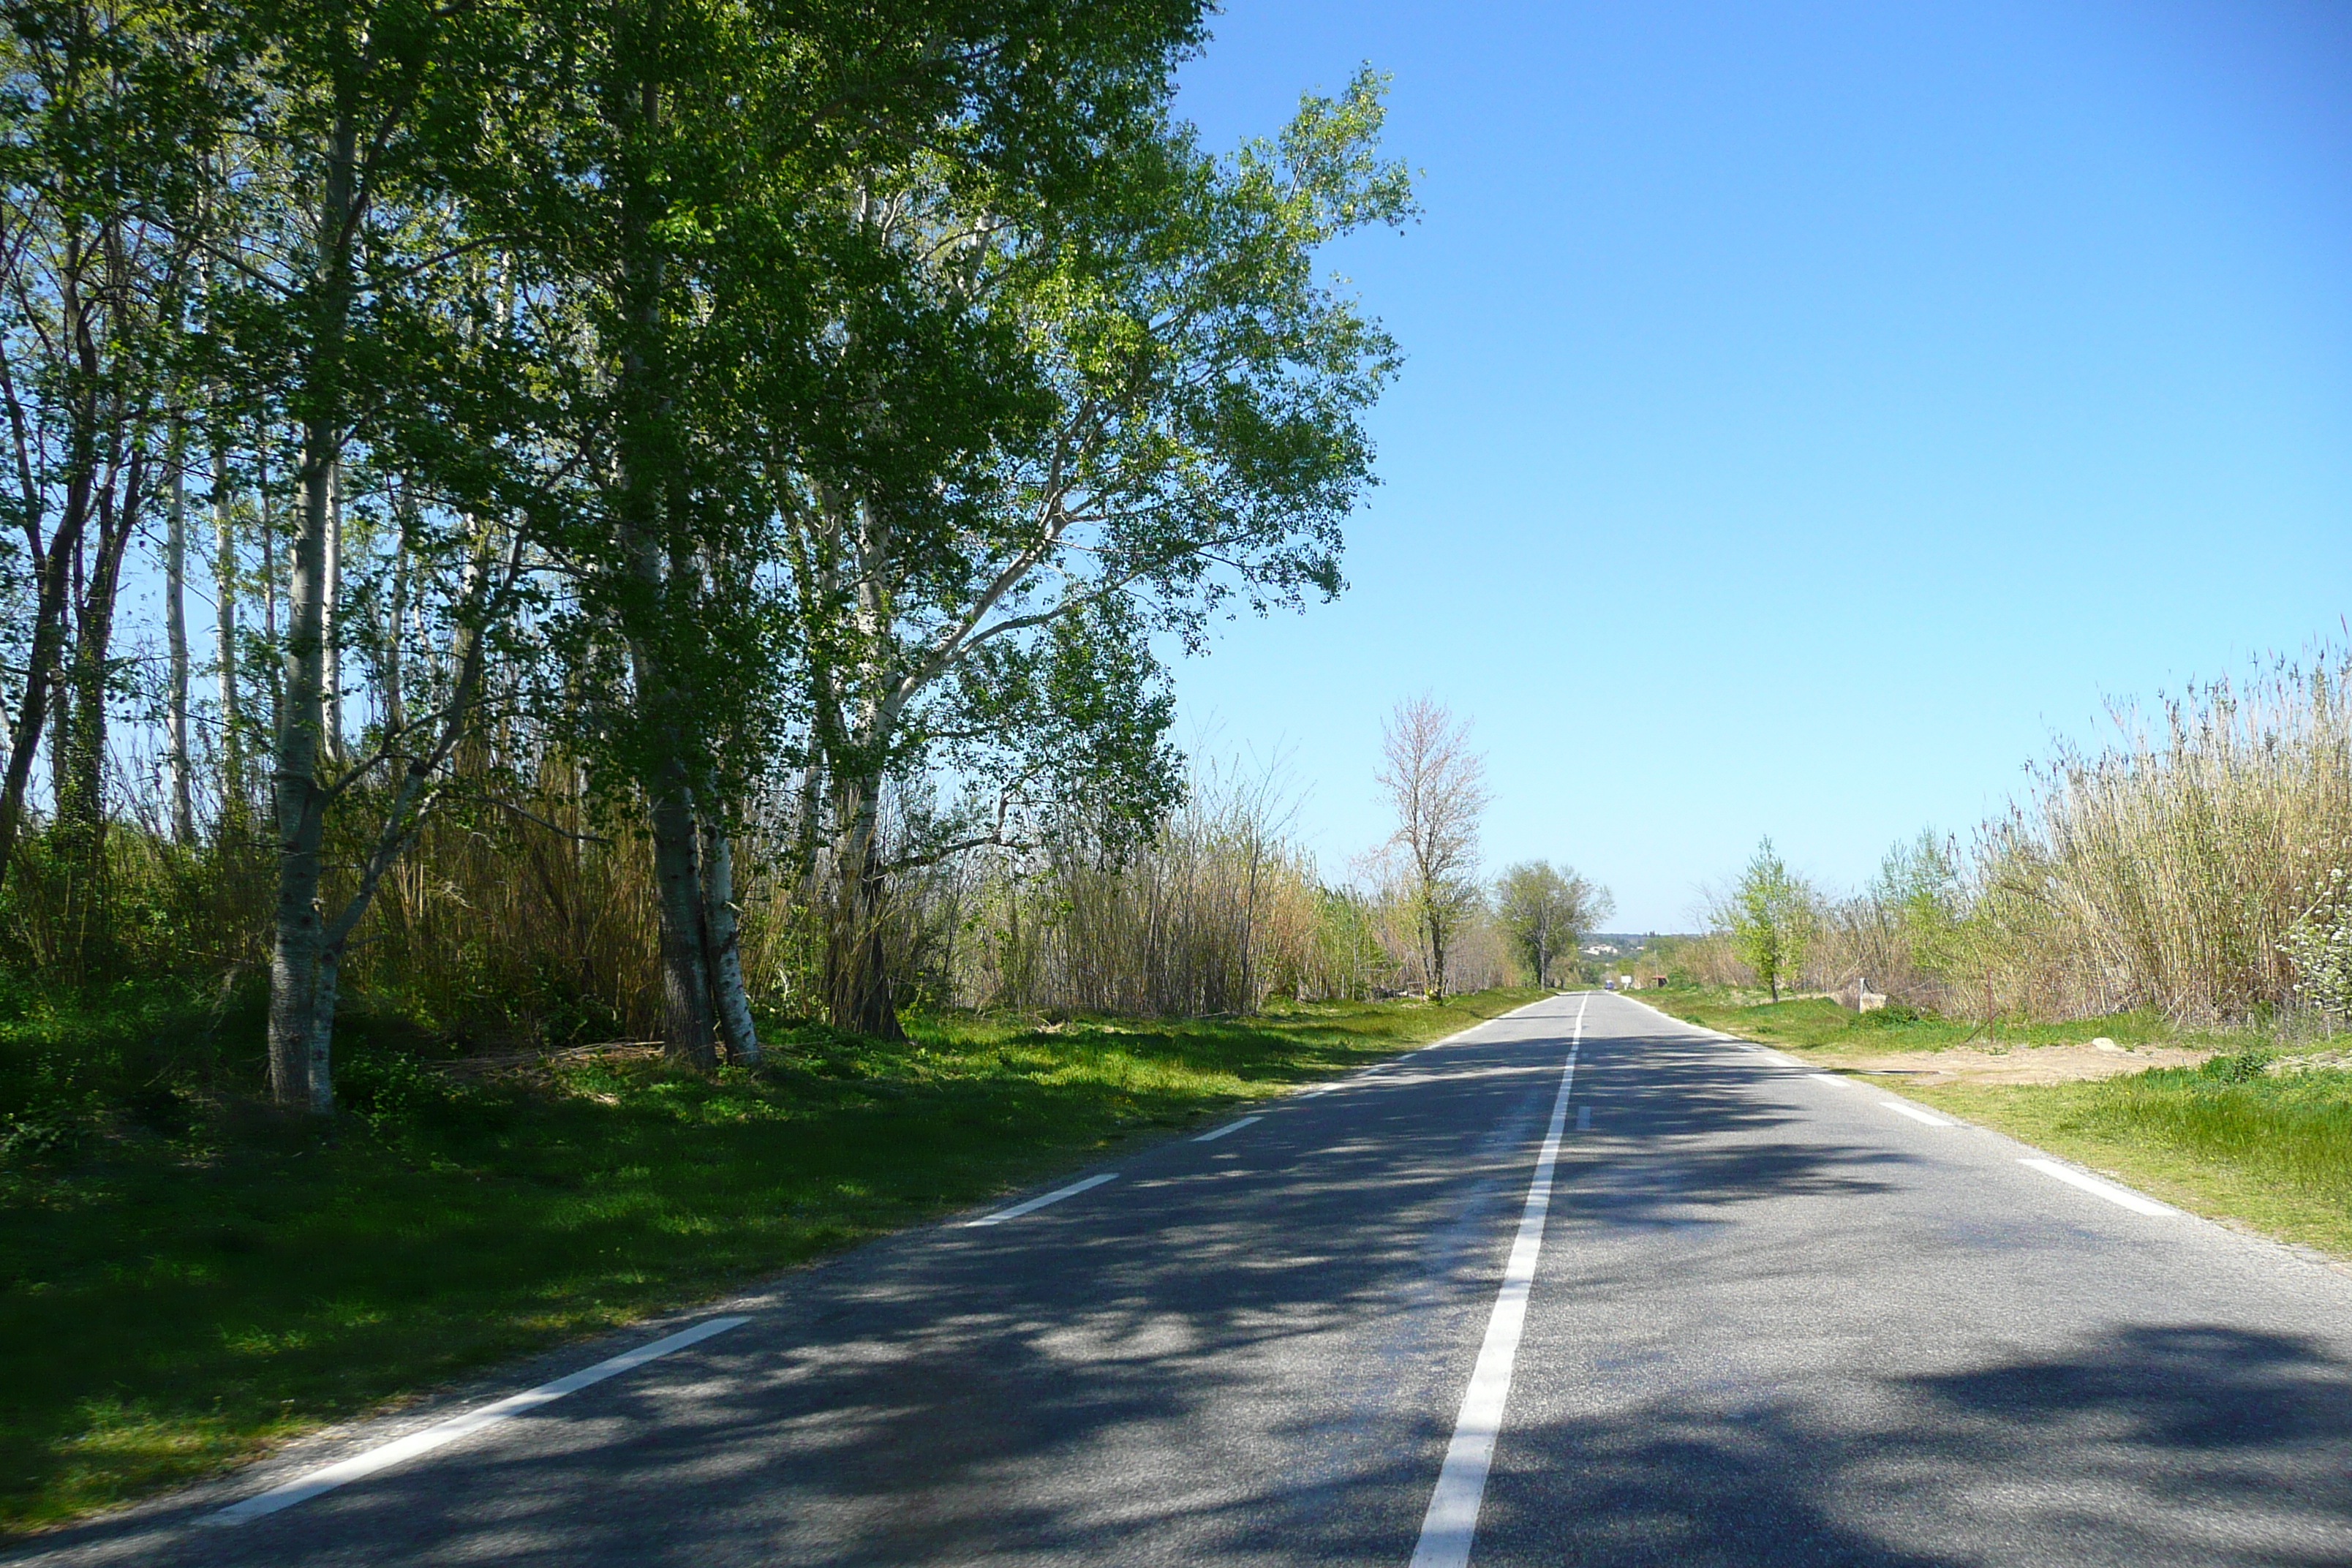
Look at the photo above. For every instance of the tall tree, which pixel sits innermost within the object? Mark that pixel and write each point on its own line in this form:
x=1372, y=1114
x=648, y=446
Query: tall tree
x=365, y=128
x=1180, y=429
x=97, y=173
x=178, y=760
x=1547, y=911
x=707, y=213
x=1436, y=784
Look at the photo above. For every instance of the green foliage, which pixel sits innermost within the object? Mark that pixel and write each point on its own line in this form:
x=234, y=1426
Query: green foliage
x=2320, y=946
x=1547, y=912
x=1919, y=889
x=2243, y=1066
x=1771, y=913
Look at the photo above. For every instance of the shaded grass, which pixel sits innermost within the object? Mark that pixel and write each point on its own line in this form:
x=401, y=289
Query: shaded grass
x=186, y=1279
x=2271, y=1152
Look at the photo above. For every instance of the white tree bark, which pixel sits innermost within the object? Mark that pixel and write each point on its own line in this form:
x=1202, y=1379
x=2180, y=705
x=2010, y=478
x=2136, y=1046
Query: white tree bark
x=728, y=996
x=232, y=717
x=175, y=637
x=331, y=618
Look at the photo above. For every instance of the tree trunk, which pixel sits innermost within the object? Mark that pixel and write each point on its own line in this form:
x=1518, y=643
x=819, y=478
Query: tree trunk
x=232, y=714
x=331, y=618
x=48, y=653
x=720, y=924
x=81, y=772
x=688, y=1030
x=857, y=957
x=395, y=697
x=268, y=520
x=1437, y=957
x=298, y=1044
x=47, y=696
x=175, y=637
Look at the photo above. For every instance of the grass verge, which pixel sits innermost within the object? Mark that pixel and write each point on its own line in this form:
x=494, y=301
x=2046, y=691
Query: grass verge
x=1817, y=1023
x=185, y=1280
x=2270, y=1152
x=2251, y=1137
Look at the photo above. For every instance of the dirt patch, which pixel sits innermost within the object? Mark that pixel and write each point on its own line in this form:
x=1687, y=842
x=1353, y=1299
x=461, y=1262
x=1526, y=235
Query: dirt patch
x=2020, y=1064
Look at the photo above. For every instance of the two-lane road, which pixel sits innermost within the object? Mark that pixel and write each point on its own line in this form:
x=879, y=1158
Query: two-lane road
x=1685, y=1304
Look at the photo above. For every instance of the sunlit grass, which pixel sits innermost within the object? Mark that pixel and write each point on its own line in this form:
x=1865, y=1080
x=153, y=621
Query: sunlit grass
x=2272, y=1151
x=1816, y=1022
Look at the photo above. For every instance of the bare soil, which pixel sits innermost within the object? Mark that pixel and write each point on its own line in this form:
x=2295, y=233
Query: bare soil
x=2018, y=1064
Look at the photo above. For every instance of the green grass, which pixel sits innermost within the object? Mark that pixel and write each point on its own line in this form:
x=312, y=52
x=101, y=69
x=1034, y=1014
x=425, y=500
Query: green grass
x=185, y=1279
x=2273, y=1153
x=1817, y=1023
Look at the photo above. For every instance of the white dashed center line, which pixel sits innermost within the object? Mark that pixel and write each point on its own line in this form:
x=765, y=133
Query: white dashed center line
x=1452, y=1522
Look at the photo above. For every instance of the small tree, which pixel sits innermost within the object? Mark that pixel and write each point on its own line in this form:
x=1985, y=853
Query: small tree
x=1438, y=787
x=1770, y=913
x=1548, y=910
x=1918, y=896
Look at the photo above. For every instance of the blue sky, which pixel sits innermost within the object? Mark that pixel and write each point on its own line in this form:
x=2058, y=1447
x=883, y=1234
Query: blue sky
x=1810, y=411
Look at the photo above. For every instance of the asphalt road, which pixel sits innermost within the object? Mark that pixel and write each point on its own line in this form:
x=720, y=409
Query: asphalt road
x=1774, y=1319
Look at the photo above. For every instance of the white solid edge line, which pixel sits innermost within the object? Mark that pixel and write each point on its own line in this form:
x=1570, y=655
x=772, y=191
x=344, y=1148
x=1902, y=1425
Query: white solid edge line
x=1915, y=1113
x=1228, y=1127
x=1447, y=1529
x=2122, y=1197
x=304, y=1487
x=1034, y=1205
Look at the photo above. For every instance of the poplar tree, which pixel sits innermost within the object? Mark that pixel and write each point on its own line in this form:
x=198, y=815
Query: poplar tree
x=1182, y=435
x=1547, y=911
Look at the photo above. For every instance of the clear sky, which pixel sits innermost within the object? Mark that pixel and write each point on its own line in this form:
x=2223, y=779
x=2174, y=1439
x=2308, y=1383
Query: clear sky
x=1810, y=411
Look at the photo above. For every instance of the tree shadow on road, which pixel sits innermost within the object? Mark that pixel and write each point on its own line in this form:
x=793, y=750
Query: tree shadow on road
x=2149, y=1444
x=1246, y=1359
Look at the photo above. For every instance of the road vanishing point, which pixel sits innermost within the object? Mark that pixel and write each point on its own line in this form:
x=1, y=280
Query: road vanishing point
x=1582, y=1285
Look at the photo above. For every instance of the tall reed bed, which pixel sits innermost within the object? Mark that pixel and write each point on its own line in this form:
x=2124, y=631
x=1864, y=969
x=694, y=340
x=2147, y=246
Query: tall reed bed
x=1216, y=913
x=525, y=914
x=2168, y=870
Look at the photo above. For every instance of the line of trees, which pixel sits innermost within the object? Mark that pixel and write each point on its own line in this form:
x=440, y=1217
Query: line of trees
x=697, y=423
x=1428, y=870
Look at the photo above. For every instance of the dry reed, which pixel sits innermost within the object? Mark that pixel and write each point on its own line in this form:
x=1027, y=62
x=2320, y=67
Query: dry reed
x=2166, y=871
